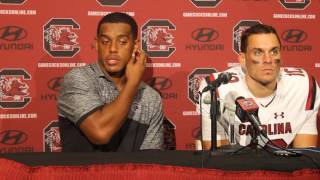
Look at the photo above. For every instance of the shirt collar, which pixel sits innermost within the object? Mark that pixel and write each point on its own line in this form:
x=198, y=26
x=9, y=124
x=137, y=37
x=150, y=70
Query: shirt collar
x=100, y=72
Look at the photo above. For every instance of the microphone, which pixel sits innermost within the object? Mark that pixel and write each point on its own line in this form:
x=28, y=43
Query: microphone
x=247, y=111
x=223, y=78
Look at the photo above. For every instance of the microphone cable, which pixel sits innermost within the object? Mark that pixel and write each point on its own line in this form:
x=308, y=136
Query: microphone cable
x=291, y=152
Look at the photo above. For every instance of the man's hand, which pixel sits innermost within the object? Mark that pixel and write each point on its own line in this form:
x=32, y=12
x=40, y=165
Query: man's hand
x=206, y=145
x=305, y=141
x=135, y=68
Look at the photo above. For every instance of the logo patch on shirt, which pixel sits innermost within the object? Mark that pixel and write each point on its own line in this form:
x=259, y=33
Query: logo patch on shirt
x=279, y=115
x=135, y=112
x=136, y=107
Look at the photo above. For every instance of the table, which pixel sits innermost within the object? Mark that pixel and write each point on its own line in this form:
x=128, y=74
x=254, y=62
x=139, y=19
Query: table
x=160, y=165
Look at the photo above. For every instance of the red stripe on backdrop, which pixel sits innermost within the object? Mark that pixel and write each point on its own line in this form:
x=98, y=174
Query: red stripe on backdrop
x=13, y=170
x=199, y=34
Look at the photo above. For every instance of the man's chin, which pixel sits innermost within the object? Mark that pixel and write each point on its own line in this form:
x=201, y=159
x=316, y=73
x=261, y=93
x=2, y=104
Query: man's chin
x=116, y=72
x=267, y=81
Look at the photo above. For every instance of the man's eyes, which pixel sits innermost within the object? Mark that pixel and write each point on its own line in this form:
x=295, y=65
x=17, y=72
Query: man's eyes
x=104, y=41
x=121, y=41
x=275, y=52
x=272, y=53
x=258, y=53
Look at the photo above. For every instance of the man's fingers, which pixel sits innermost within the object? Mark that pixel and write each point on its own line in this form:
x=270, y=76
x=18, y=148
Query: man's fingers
x=133, y=58
x=141, y=56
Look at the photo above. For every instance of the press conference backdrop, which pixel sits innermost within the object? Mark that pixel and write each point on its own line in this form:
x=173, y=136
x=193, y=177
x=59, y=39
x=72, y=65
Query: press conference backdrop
x=185, y=39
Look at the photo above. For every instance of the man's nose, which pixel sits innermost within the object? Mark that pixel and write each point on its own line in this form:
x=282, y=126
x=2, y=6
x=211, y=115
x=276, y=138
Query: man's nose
x=267, y=58
x=113, y=47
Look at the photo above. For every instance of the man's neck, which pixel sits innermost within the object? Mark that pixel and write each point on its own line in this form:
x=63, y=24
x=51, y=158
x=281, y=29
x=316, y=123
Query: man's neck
x=119, y=81
x=118, y=78
x=260, y=90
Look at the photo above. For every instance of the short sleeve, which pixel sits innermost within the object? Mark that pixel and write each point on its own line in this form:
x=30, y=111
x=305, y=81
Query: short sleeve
x=79, y=96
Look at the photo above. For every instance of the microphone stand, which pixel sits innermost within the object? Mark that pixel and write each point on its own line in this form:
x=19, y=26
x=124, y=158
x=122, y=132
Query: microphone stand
x=253, y=142
x=214, y=109
x=213, y=116
x=212, y=86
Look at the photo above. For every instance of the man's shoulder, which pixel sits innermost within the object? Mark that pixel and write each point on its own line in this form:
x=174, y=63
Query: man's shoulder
x=150, y=92
x=293, y=75
x=293, y=81
x=81, y=72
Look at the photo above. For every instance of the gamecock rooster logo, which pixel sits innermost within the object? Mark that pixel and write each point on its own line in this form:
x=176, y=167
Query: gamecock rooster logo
x=61, y=38
x=237, y=36
x=194, y=85
x=238, y=30
x=157, y=38
x=13, y=89
x=52, y=139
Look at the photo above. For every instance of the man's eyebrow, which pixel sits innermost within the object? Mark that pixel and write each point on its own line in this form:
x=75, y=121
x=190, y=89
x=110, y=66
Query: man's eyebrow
x=258, y=49
x=124, y=35
x=275, y=48
x=103, y=35
x=119, y=36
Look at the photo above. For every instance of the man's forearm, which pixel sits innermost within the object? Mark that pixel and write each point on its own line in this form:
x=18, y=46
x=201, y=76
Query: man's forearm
x=305, y=141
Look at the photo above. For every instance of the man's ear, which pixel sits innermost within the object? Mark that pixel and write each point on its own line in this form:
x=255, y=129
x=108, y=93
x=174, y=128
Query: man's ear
x=95, y=44
x=242, y=59
x=136, y=44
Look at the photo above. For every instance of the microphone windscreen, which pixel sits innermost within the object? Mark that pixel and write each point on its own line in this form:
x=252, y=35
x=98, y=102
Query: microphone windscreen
x=238, y=98
x=248, y=105
x=240, y=113
x=225, y=77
